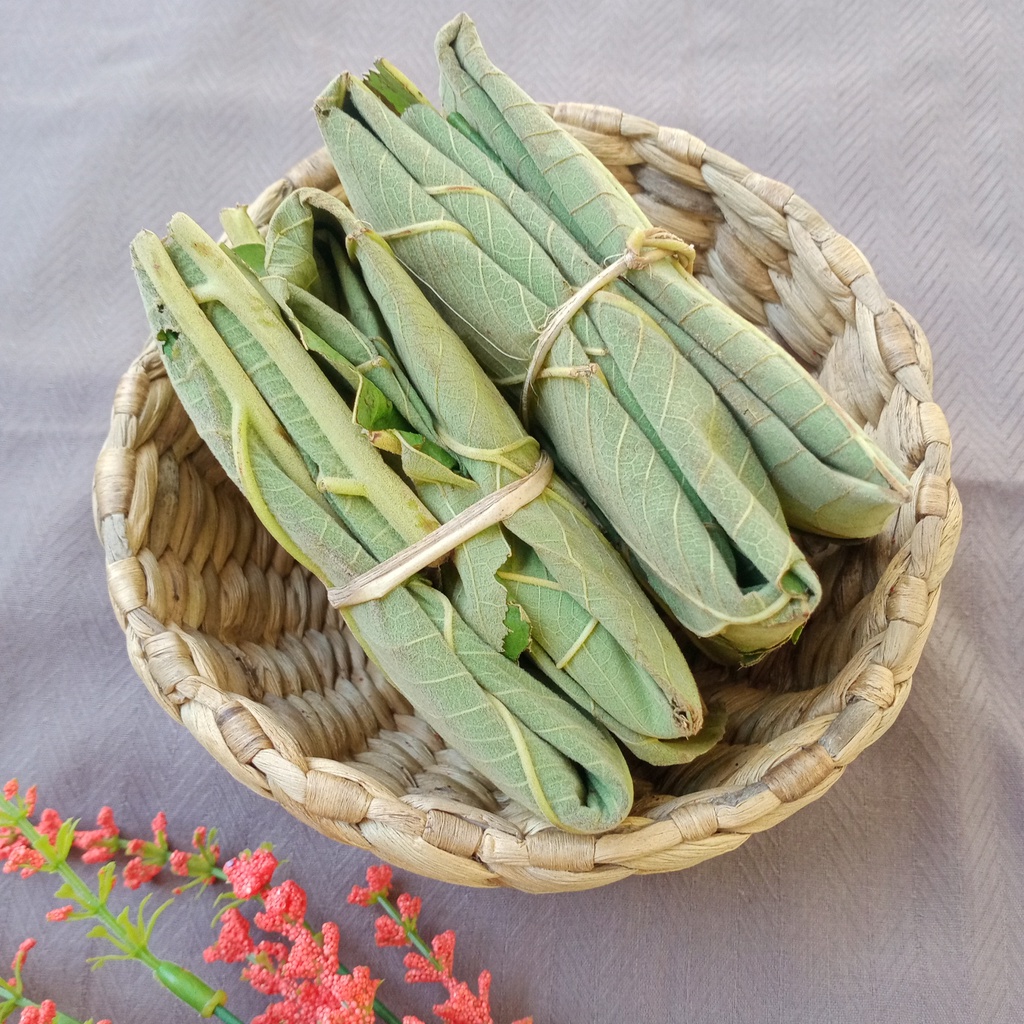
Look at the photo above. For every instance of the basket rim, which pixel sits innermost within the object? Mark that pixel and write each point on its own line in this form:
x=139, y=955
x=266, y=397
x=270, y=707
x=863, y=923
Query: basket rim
x=453, y=843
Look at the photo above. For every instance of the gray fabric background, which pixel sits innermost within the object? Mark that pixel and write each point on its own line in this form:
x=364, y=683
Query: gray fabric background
x=897, y=897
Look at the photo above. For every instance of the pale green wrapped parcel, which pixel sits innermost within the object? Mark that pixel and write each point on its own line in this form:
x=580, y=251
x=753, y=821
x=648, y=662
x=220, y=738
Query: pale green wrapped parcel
x=656, y=450
x=338, y=509
x=592, y=629
x=832, y=479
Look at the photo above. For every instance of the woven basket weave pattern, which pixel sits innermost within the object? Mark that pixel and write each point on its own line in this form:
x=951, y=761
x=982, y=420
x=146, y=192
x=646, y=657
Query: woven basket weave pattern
x=238, y=642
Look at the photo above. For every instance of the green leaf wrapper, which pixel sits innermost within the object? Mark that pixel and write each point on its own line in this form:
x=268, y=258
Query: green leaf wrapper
x=628, y=417
x=531, y=742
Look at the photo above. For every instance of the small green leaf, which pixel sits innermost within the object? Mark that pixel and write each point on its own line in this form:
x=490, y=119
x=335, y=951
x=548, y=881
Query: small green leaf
x=45, y=847
x=66, y=838
x=153, y=919
x=106, y=878
x=140, y=916
x=65, y=892
x=96, y=962
x=435, y=451
x=518, y=637
x=224, y=902
x=373, y=410
x=253, y=256
x=167, y=338
x=393, y=87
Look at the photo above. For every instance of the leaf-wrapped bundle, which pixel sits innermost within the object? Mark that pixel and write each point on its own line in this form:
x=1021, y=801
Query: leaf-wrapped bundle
x=586, y=611
x=210, y=317
x=832, y=479
x=628, y=417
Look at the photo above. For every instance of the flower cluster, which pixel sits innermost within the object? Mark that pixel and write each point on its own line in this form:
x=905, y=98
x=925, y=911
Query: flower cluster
x=294, y=964
x=12, y=995
x=103, y=843
x=300, y=967
x=16, y=852
x=44, y=846
x=399, y=926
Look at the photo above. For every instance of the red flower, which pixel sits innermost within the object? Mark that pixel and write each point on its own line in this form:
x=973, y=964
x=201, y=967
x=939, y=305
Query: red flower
x=331, y=939
x=305, y=974
x=306, y=957
x=137, y=872
x=60, y=913
x=378, y=884
x=99, y=844
x=419, y=968
x=19, y=957
x=8, y=838
x=148, y=858
x=200, y=864
x=180, y=861
x=11, y=791
x=234, y=943
x=250, y=873
x=358, y=990
x=263, y=972
x=284, y=908
x=44, y=1013
x=409, y=907
x=49, y=824
x=19, y=854
x=389, y=932
x=462, y=1007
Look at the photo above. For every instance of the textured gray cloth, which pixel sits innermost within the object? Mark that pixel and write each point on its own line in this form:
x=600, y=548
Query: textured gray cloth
x=897, y=897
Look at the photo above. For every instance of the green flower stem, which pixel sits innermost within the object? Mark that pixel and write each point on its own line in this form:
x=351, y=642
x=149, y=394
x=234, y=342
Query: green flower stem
x=190, y=989
x=411, y=933
x=224, y=1014
x=84, y=895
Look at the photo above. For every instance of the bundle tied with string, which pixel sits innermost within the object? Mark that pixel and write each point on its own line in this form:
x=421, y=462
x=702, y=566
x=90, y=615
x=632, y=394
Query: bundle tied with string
x=303, y=410
x=238, y=642
x=644, y=248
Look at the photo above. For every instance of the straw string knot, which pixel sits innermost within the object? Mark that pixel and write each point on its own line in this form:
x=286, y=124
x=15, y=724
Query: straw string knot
x=644, y=247
x=490, y=510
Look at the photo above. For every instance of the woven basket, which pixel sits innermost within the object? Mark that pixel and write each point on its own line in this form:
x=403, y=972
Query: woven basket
x=238, y=642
